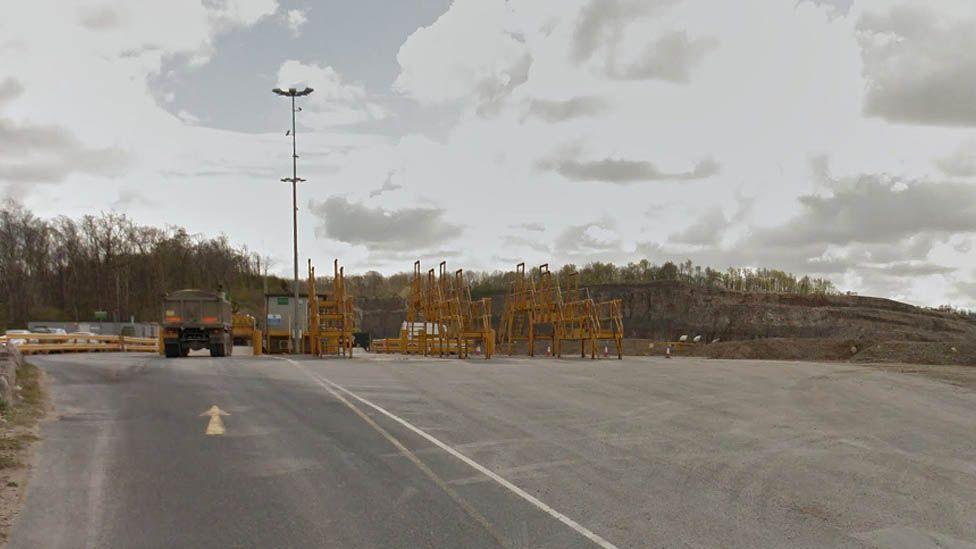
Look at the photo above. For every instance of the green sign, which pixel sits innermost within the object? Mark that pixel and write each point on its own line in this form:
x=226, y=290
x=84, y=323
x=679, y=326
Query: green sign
x=101, y=315
x=282, y=301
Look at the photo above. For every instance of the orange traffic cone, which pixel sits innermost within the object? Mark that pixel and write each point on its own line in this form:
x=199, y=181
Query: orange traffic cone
x=477, y=350
x=606, y=351
x=549, y=350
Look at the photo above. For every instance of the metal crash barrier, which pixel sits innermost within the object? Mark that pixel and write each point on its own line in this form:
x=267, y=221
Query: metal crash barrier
x=78, y=343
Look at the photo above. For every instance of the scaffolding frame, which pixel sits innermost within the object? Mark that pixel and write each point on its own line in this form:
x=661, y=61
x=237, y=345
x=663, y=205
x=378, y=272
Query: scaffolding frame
x=475, y=317
x=536, y=308
x=331, y=318
x=441, y=318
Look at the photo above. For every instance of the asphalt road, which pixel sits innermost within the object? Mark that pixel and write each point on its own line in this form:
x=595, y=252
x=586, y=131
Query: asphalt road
x=387, y=452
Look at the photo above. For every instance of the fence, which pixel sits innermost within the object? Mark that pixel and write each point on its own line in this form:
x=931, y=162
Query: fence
x=134, y=329
x=79, y=343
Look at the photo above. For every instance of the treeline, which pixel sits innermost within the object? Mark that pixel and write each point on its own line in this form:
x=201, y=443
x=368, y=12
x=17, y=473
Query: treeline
x=737, y=279
x=66, y=269
x=949, y=309
x=374, y=284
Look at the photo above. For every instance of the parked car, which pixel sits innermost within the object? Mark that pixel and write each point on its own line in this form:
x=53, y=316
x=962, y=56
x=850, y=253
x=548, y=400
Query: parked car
x=17, y=340
x=48, y=330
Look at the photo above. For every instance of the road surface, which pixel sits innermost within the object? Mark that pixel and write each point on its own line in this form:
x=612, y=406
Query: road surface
x=392, y=452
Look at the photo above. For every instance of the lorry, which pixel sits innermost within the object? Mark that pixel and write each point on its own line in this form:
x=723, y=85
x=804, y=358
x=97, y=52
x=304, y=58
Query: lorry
x=197, y=319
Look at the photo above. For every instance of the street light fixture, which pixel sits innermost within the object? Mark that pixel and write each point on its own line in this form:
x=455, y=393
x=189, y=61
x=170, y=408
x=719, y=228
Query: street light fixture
x=294, y=180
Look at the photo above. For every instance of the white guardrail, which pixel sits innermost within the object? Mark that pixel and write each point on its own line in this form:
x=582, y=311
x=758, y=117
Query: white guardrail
x=78, y=343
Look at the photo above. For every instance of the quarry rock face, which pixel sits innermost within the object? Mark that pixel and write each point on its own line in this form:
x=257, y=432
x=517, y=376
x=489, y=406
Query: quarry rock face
x=380, y=316
x=666, y=310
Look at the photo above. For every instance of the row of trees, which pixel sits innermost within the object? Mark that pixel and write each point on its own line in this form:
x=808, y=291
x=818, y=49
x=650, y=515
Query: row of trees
x=66, y=269
x=745, y=280
x=949, y=309
x=374, y=284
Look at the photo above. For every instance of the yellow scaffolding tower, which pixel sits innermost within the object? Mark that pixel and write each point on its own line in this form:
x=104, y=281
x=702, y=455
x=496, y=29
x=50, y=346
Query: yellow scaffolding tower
x=536, y=308
x=331, y=317
x=413, y=333
x=444, y=312
x=442, y=318
x=531, y=310
x=475, y=317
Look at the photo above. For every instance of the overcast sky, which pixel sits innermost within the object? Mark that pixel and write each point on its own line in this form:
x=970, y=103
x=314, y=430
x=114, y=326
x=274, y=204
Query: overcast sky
x=832, y=138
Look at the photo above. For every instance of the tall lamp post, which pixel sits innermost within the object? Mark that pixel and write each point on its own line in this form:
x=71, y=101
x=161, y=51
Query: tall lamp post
x=296, y=339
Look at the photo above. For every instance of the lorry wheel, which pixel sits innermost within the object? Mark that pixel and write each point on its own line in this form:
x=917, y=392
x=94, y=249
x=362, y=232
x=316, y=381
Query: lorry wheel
x=171, y=351
x=184, y=350
x=216, y=350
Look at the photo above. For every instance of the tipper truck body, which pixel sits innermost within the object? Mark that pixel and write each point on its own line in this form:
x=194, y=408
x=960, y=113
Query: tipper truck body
x=197, y=319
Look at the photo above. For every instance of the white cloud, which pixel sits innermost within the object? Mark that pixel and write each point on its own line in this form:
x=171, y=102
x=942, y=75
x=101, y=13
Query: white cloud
x=405, y=229
x=105, y=52
x=554, y=110
x=589, y=238
x=188, y=117
x=671, y=57
x=31, y=153
x=707, y=230
x=89, y=127
x=920, y=61
x=622, y=171
x=129, y=197
x=295, y=20
x=666, y=92
x=629, y=105
x=624, y=40
x=334, y=102
x=239, y=12
x=601, y=23
x=473, y=50
x=876, y=209
x=150, y=30
x=961, y=163
x=99, y=17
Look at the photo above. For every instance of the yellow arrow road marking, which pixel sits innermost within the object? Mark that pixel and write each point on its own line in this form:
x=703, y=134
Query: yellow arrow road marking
x=216, y=425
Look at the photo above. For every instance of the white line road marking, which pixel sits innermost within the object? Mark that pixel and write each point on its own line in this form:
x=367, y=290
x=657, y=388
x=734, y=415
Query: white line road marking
x=529, y=470
x=404, y=451
x=579, y=528
x=468, y=445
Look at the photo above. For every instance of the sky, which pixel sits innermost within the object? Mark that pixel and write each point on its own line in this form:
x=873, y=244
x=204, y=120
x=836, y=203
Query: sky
x=831, y=138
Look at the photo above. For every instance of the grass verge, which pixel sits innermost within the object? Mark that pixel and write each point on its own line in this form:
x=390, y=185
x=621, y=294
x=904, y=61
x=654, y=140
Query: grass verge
x=18, y=432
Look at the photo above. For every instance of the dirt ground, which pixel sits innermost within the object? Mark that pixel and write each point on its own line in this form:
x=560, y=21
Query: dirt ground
x=18, y=433
x=950, y=362
x=960, y=376
x=919, y=352
x=832, y=350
